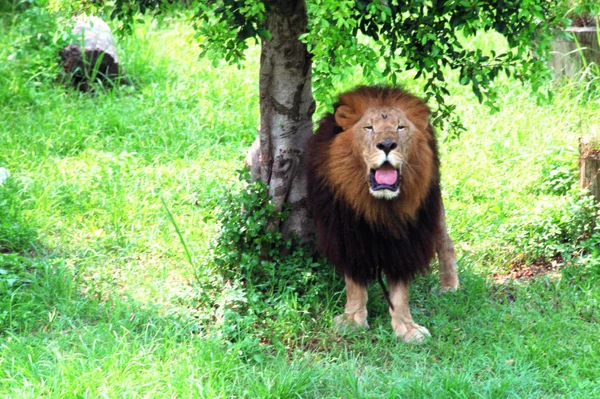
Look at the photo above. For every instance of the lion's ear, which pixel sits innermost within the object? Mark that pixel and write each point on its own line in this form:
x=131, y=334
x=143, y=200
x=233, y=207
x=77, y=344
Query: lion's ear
x=345, y=117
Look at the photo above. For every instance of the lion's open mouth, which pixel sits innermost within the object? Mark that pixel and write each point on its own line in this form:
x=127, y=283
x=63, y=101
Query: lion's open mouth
x=386, y=177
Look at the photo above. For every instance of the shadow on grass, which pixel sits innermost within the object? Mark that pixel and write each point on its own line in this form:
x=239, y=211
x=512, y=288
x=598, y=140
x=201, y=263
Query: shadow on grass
x=484, y=312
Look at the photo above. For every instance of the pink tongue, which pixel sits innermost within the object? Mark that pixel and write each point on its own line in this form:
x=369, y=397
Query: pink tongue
x=386, y=175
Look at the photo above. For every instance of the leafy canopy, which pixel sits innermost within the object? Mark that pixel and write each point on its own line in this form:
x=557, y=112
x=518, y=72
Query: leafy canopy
x=387, y=38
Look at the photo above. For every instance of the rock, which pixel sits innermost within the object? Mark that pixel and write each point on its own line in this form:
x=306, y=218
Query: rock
x=93, y=56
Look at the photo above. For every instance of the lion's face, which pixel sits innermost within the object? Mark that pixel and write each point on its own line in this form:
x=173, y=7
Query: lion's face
x=383, y=161
x=384, y=136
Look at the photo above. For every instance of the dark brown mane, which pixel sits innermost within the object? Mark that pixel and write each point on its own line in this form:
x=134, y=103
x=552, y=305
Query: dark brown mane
x=361, y=234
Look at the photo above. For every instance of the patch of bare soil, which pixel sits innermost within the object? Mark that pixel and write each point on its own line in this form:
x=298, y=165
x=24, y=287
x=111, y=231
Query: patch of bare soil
x=521, y=270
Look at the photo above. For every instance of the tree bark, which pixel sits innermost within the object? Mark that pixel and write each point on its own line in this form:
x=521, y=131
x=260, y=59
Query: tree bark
x=567, y=56
x=589, y=162
x=286, y=108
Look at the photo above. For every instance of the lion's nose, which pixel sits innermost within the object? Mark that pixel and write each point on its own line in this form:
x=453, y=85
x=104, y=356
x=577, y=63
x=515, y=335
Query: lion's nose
x=387, y=145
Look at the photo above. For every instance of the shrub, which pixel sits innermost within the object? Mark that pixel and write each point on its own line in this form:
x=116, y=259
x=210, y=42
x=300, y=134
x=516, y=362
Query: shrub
x=270, y=285
x=562, y=226
x=561, y=223
x=36, y=39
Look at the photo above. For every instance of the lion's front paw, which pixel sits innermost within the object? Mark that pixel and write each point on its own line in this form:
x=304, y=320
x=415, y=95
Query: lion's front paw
x=449, y=284
x=351, y=321
x=410, y=332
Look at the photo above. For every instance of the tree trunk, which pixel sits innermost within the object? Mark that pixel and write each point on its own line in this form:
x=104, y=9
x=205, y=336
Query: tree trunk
x=589, y=162
x=569, y=56
x=93, y=56
x=286, y=108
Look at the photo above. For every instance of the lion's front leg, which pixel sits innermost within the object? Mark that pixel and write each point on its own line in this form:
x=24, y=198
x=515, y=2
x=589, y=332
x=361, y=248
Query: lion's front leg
x=355, y=311
x=447, y=257
x=402, y=321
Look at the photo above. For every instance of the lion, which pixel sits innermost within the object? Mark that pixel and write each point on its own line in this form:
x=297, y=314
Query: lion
x=374, y=192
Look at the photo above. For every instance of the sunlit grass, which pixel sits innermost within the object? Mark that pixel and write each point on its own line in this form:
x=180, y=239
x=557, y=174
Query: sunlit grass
x=101, y=299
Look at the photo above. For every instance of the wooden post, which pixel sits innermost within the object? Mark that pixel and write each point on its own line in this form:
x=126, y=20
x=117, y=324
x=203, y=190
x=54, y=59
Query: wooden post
x=566, y=55
x=589, y=162
x=93, y=55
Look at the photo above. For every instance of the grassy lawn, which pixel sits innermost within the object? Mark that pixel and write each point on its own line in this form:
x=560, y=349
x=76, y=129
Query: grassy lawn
x=99, y=299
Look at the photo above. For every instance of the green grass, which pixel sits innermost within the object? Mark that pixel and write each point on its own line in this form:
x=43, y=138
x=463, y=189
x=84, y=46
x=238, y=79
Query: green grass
x=98, y=297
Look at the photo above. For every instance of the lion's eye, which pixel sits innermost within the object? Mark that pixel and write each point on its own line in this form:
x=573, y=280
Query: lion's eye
x=369, y=128
x=401, y=127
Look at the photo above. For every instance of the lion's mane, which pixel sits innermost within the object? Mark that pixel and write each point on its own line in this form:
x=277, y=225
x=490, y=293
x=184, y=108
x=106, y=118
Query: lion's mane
x=362, y=235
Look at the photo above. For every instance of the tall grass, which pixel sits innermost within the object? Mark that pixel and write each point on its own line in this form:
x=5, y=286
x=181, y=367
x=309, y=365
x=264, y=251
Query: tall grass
x=99, y=297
